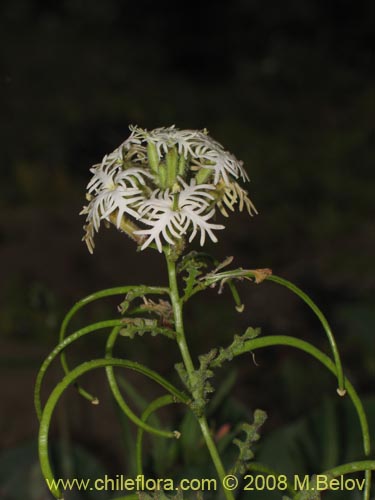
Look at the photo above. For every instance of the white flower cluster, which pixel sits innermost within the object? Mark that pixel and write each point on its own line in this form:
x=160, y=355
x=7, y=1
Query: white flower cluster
x=170, y=181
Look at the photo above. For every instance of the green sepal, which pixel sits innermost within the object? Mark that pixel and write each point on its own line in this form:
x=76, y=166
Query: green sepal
x=162, y=173
x=171, y=161
x=203, y=174
x=153, y=157
x=181, y=165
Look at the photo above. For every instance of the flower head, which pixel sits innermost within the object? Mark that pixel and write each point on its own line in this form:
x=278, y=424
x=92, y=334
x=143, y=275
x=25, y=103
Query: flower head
x=170, y=215
x=164, y=185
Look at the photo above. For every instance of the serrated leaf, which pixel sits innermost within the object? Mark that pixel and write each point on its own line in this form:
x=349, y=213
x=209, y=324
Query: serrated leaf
x=228, y=353
x=140, y=326
x=197, y=382
x=192, y=264
x=251, y=333
x=245, y=447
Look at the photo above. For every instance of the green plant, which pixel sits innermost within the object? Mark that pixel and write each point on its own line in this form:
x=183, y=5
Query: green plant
x=160, y=188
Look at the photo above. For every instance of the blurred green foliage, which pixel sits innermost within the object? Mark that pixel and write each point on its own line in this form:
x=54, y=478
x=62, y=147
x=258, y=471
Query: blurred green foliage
x=287, y=86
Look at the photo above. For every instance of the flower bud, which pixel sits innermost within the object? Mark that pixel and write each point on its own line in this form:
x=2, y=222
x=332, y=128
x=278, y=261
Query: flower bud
x=181, y=165
x=202, y=175
x=153, y=157
x=162, y=173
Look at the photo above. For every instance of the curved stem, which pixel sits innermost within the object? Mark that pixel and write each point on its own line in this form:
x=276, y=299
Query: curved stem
x=181, y=341
x=252, y=345
x=324, y=322
x=119, y=398
x=138, y=290
x=60, y=347
x=152, y=407
x=243, y=273
x=365, y=466
x=66, y=382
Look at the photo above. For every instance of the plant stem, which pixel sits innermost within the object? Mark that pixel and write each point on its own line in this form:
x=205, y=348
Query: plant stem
x=165, y=400
x=181, y=341
x=365, y=466
x=95, y=327
x=272, y=340
x=120, y=290
x=121, y=401
x=351, y=467
x=59, y=389
x=241, y=273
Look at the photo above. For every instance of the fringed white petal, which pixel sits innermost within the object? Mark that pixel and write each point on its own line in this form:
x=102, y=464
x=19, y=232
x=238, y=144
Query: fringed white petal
x=167, y=200
x=172, y=223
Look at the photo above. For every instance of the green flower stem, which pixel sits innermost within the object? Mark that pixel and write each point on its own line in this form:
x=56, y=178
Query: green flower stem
x=101, y=325
x=257, y=467
x=273, y=340
x=70, y=378
x=117, y=325
x=363, y=466
x=151, y=408
x=243, y=273
x=140, y=290
x=69, y=340
x=181, y=340
x=323, y=320
x=119, y=398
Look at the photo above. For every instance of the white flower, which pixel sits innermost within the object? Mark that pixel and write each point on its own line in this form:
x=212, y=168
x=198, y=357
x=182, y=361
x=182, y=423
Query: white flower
x=122, y=200
x=166, y=137
x=110, y=174
x=112, y=189
x=170, y=215
x=116, y=196
x=163, y=185
x=103, y=177
x=222, y=162
x=206, y=152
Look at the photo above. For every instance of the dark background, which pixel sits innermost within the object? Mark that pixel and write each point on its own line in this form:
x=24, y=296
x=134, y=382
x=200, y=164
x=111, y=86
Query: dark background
x=286, y=86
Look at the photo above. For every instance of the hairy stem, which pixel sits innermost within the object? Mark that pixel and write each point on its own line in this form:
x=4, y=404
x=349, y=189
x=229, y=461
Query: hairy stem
x=189, y=366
